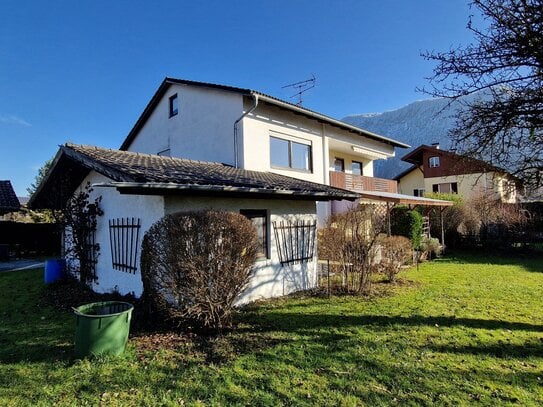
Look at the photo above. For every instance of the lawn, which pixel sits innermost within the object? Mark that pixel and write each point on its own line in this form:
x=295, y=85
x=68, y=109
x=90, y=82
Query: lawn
x=464, y=329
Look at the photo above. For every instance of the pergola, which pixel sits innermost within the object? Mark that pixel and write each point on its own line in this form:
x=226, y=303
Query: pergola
x=392, y=199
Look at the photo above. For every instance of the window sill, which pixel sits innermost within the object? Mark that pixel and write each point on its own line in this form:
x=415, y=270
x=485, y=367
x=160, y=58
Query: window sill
x=275, y=167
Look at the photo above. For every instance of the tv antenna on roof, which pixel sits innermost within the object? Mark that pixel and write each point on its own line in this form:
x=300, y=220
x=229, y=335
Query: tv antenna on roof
x=301, y=87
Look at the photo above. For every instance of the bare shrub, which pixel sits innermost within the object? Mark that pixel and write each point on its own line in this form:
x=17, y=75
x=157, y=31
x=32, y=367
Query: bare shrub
x=350, y=240
x=195, y=265
x=494, y=222
x=396, y=251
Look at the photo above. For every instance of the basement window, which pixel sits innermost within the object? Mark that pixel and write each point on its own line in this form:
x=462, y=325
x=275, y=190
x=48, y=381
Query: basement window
x=174, y=105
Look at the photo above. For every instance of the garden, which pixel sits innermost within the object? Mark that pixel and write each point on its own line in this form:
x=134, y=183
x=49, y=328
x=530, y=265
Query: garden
x=466, y=328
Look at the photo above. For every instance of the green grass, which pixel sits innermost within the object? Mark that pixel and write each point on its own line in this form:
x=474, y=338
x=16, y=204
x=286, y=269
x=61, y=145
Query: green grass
x=468, y=330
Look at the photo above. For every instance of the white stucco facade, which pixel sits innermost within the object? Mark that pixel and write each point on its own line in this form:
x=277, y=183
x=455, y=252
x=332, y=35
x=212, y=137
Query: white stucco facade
x=147, y=208
x=269, y=278
x=203, y=128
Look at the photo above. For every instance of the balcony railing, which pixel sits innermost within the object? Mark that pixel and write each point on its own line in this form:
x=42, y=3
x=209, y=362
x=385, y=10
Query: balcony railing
x=359, y=183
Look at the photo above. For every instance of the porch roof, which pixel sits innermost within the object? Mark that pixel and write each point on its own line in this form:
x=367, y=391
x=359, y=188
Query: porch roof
x=402, y=199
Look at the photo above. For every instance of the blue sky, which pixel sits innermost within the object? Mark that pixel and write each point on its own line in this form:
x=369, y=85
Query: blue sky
x=82, y=71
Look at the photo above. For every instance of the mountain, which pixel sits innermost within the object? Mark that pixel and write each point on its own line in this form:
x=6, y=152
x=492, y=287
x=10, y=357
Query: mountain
x=421, y=122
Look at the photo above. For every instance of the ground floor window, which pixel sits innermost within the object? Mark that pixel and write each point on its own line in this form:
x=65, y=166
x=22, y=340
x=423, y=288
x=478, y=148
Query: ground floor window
x=446, y=188
x=259, y=218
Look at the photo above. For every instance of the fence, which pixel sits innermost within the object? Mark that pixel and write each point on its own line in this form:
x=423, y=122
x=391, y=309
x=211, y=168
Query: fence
x=30, y=239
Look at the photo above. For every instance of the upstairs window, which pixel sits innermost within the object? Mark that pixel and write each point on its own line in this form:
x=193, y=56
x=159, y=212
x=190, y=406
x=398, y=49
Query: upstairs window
x=356, y=168
x=174, y=105
x=339, y=165
x=290, y=154
x=433, y=162
x=259, y=218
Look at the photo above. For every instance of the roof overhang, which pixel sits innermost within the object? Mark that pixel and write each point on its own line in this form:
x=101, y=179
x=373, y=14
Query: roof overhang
x=154, y=188
x=402, y=199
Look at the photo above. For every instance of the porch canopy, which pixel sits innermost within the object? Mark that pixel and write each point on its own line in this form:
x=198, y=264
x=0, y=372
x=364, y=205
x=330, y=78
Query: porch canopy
x=391, y=199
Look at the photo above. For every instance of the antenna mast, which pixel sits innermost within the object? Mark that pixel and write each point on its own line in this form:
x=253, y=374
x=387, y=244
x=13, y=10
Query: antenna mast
x=301, y=87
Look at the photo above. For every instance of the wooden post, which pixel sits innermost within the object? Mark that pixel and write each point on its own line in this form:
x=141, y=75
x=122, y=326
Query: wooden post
x=328, y=270
x=441, y=209
x=388, y=219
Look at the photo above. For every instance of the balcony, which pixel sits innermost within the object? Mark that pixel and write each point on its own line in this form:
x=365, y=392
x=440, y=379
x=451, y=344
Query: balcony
x=360, y=183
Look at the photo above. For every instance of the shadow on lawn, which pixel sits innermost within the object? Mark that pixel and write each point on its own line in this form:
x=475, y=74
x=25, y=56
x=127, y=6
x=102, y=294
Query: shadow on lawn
x=300, y=322
x=532, y=261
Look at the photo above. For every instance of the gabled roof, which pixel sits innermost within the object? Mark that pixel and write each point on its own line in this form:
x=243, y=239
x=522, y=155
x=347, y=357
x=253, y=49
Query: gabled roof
x=167, y=82
x=8, y=199
x=466, y=163
x=137, y=173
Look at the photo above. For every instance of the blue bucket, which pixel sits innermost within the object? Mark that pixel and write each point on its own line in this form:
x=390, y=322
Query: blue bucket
x=54, y=270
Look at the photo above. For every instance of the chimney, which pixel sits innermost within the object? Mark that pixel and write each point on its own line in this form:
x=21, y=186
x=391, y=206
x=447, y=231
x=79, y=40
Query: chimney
x=435, y=145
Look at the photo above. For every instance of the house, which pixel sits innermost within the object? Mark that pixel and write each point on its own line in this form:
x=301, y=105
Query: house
x=254, y=131
x=437, y=170
x=8, y=200
x=206, y=146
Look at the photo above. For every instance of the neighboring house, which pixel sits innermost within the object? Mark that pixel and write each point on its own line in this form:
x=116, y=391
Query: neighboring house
x=8, y=199
x=436, y=170
x=200, y=145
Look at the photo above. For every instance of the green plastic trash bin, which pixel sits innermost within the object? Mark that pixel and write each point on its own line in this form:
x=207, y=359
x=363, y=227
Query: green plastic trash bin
x=102, y=328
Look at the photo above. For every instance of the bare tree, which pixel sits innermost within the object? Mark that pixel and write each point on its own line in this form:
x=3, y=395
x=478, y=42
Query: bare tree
x=502, y=121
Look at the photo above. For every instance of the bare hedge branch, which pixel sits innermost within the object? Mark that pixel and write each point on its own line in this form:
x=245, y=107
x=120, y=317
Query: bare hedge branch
x=195, y=265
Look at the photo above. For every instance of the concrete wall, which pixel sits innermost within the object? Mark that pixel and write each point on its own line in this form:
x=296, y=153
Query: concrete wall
x=202, y=130
x=269, y=278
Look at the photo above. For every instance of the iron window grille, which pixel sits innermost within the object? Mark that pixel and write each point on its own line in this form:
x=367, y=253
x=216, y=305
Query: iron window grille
x=124, y=236
x=295, y=241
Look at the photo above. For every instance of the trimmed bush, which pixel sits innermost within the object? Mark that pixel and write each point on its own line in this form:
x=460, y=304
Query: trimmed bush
x=408, y=223
x=195, y=265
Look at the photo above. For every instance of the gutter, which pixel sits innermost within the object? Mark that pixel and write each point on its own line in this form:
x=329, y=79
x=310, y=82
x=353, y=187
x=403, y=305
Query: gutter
x=161, y=186
x=255, y=105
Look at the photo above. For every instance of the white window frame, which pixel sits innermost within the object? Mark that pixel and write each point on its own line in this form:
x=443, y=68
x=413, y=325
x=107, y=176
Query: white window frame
x=434, y=161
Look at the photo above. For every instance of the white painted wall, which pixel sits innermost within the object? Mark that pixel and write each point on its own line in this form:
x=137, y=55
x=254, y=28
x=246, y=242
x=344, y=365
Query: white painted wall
x=148, y=208
x=269, y=278
x=269, y=120
x=411, y=181
x=202, y=130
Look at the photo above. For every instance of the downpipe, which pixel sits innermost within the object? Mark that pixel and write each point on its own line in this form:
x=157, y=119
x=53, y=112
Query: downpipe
x=236, y=159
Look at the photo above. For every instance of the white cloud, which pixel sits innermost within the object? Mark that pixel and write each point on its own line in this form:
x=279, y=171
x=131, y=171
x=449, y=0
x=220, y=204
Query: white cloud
x=10, y=119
